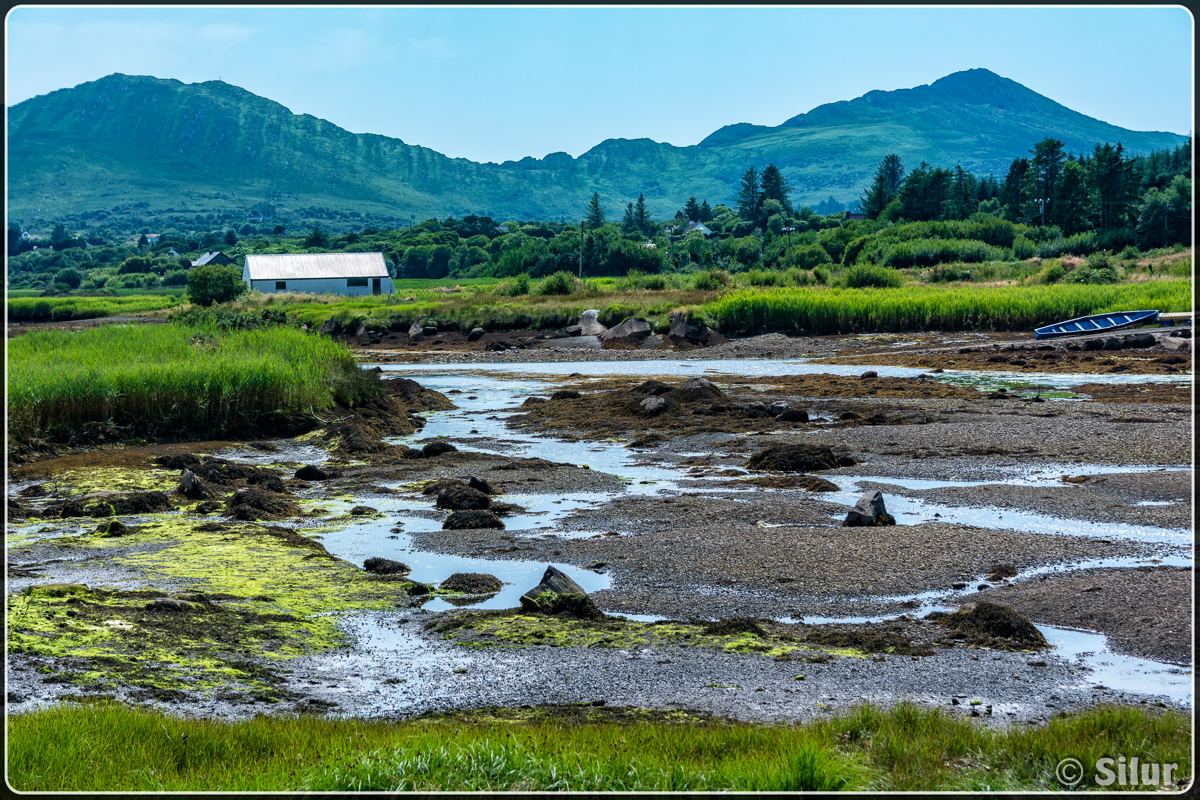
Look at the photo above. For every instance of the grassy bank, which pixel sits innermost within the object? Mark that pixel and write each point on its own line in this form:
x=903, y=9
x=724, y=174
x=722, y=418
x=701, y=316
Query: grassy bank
x=172, y=376
x=116, y=748
x=931, y=308
x=58, y=309
x=813, y=309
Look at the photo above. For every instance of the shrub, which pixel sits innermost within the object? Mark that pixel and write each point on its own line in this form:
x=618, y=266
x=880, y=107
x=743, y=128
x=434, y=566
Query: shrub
x=862, y=275
x=710, y=280
x=821, y=275
x=214, y=283
x=758, y=277
x=1023, y=248
x=1053, y=273
x=1130, y=253
x=70, y=276
x=135, y=264
x=798, y=277
x=807, y=256
x=176, y=278
x=1098, y=269
x=558, y=283
x=517, y=286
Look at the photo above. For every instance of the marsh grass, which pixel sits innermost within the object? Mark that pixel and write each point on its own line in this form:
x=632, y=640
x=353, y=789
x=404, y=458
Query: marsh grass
x=936, y=308
x=57, y=309
x=172, y=376
x=117, y=748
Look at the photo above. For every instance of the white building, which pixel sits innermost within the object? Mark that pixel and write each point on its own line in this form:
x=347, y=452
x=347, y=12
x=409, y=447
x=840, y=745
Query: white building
x=336, y=273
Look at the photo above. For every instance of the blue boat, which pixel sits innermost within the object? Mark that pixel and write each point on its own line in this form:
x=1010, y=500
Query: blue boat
x=1096, y=323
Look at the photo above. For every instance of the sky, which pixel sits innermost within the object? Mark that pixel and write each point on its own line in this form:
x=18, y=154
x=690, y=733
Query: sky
x=496, y=84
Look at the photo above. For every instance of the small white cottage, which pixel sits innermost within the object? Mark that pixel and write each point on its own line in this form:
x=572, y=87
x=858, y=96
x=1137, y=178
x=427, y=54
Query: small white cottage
x=336, y=273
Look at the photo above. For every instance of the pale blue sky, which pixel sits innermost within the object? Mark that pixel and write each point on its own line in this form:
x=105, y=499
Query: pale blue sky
x=495, y=84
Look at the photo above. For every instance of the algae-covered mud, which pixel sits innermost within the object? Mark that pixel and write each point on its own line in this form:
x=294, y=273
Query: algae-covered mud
x=1040, y=558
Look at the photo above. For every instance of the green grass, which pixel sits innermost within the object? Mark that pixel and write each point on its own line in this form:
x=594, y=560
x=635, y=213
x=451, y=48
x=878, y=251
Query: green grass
x=908, y=748
x=171, y=376
x=928, y=308
x=47, y=309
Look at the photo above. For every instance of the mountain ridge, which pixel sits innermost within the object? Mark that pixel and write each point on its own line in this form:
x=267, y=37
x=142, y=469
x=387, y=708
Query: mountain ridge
x=147, y=137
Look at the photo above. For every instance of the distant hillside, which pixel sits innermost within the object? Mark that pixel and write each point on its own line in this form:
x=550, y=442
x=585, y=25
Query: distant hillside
x=198, y=147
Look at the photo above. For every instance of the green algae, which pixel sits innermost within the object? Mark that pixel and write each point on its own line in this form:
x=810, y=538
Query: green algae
x=116, y=479
x=520, y=628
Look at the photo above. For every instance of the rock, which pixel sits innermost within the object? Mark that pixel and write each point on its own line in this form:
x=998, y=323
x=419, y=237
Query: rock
x=462, y=498
x=849, y=415
x=359, y=331
x=476, y=334
x=652, y=387
x=332, y=327
x=472, y=519
x=757, y=408
x=559, y=594
x=565, y=394
x=120, y=505
x=653, y=405
x=416, y=331
x=869, y=374
x=429, y=330
x=252, y=504
x=630, y=333
x=574, y=330
x=695, y=390
x=589, y=323
x=798, y=458
x=777, y=408
x=869, y=511
x=480, y=485
x=359, y=511
x=435, y=449
x=472, y=583
x=385, y=566
x=1138, y=340
x=958, y=585
x=192, y=487
x=311, y=473
x=417, y=589
x=268, y=481
x=1177, y=345
x=793, y=415
x=1111, y=343
x=113, y=528
x=208, y=507
x=683, y=331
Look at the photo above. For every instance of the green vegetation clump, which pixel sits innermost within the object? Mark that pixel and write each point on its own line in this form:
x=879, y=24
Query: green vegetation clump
x=214, y=283
x=57, y=309
x=173, y=377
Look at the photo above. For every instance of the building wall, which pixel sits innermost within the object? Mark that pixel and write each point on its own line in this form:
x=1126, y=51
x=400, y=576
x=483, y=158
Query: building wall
x=329, y=285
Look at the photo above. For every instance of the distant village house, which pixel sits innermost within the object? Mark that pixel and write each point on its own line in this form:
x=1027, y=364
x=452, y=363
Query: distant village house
x=697, y=226
x=213, y=257
x=335, y=273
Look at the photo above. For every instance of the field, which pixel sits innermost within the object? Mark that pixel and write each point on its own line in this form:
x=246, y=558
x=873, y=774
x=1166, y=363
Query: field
x=47, y=309
x=109, y=748
x=184, y=378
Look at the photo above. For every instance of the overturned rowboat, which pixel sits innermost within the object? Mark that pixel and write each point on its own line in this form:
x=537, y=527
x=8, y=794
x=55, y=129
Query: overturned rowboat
x=1096, y=323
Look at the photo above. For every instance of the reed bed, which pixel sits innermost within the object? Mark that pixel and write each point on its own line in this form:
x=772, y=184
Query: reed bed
x=115, y=748
x=167, y=377
x=57, y=309
x=926, y=308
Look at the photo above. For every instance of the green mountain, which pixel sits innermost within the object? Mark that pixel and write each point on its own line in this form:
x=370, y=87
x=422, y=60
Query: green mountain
x=161, y=145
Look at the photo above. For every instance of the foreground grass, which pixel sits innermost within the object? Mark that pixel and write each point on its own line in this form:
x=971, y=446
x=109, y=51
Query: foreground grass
x=172, y=376
x=116, y=748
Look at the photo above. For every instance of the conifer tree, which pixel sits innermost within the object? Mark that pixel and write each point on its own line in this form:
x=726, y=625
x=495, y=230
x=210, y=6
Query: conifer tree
x=641, y=215
x=594, y=217
x=749, y=195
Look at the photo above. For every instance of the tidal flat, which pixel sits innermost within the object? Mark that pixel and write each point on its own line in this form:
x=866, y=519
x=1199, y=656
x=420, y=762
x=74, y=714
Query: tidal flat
x=726, y=587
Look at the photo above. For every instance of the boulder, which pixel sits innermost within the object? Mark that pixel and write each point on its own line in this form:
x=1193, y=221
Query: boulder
x=984, y=623
x=559, y=594
x=685, y=332
x=1093, y=344
x=653, y=405
x=793, y=415
x=472, y=519
x=696, y=389
x=1175, y=344
x=480, y=485
x=652, y=387
x=435, y=449
x=429, y=330
x=332, y=327
x=630, y=333
x=268, y=481
x=415, y=331
x=472, y=583
x=869, y=512
x=361, y=511
x=192, y=487
x=757, y=408
x=311, y=473
x=252, y=504
x=777, y=408
x=179, y=462
x=113, y=528
x=385, y=566
x=869, y=374
x=589, y=324
x=476, y=334
x=574, y=330
x=1138, y=340
x=173, y=604
x=462, y=498
x=565, y=394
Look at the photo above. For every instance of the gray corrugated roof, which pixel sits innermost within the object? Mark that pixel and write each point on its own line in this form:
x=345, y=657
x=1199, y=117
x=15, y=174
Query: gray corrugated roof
x=315, y=265
x=204, y=259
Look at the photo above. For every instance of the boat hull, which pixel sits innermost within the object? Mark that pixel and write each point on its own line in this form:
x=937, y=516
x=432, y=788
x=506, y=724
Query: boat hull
x=1096, y=323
